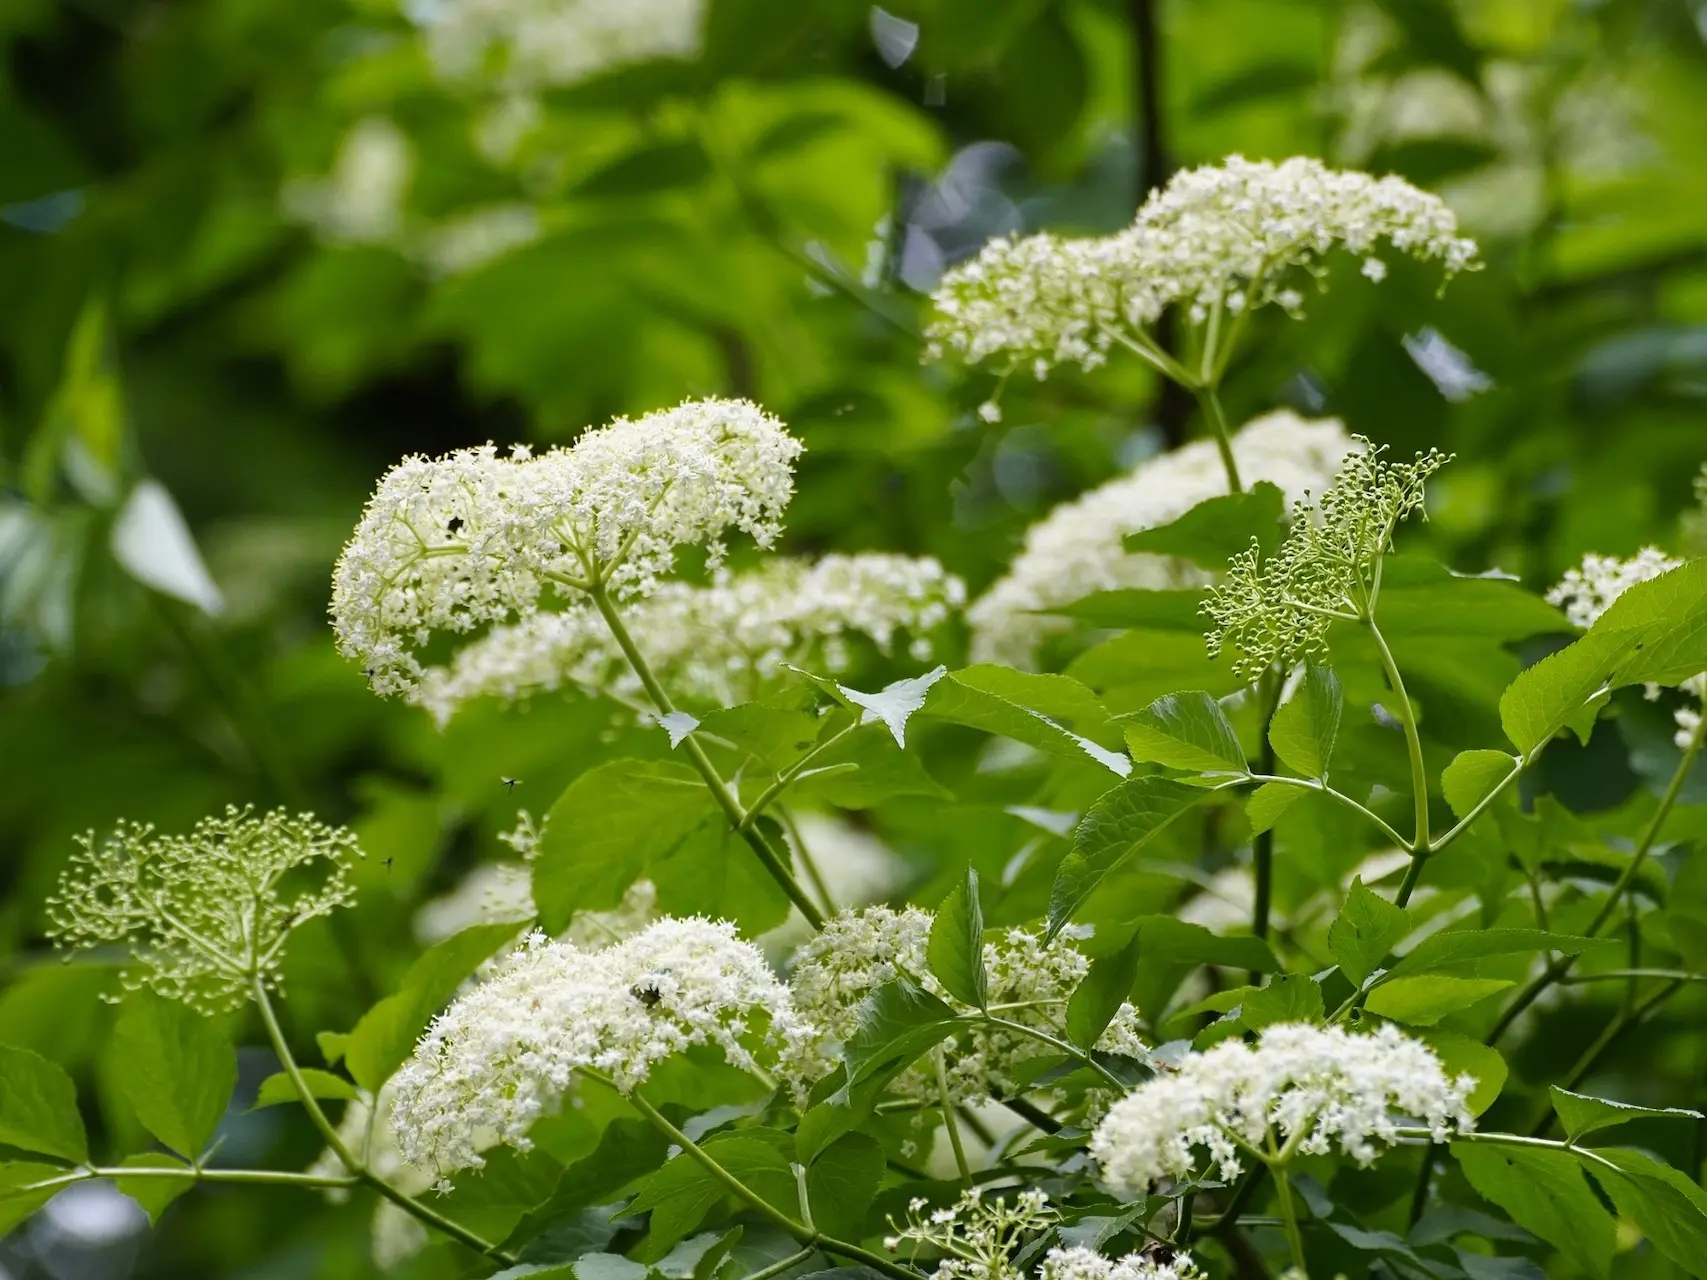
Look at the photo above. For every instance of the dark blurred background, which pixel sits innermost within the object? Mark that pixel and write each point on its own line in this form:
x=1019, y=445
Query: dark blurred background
x=252, y=252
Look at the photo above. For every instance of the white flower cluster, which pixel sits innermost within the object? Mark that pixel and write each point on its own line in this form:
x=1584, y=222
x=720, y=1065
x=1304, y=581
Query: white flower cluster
x=1301, y=1086
x=1079, y=1263
x=206, y=915
x=1076, y=549
x=473, y=538
x=1586, y=592
x=506, y=1052
x=365, y=1130
x=979, y=1235
x=361, y=200
x=717, y=644
x=535, y=44
x=1222, y=239
x=860, y=951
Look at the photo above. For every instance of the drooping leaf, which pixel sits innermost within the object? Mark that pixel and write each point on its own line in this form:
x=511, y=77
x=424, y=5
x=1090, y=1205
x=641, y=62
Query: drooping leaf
x=154, y=1192
x=1113, y=830
x=841, y=1182
x=179, y=1070
x=1564, y=688
x=895, y=703
x=1424, y=1001
x=1027, y=707
x=1290, y=997
x=278, y=1088
x=1544, y=1192
x=1101, y=992
x=897, y=1023
x=1461, y=946
x=605, y=827
x=38, y=1106
x=714, y=872
x=1366, y=929
x=1471, y=776
x=1185, y=731
x=955, y=951
x=16, y=1204
x=1218, y=528
x=1580, y=1114
x=1667, y=1205
x=627, y=1150
x=1269, y=803
x=1307, y=723
x=1461, y=1055
x=680, y=1194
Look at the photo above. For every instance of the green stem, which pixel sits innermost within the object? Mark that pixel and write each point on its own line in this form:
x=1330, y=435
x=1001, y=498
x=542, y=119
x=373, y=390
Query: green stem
x=251, y=1177
x=357, y=1168
x=776, y=1217
x=777, y=1268
x=1071, y=1050
x=1262, y=847
x=1338, y=797
x=1210, y=402
x=720, y=792
x=1419, y=846
x=793, y=771
x=807, y=862
x=1289, y=1216
x=949, y=1120
x=1557, y=970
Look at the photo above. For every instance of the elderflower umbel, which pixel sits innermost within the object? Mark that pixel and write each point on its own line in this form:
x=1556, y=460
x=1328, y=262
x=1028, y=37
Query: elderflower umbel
x=1278, y=609
x=1079, y=1263
x=716, y=644
x=1586, y=592
x=1304, y=1087
x=206, y=915
x=860, y=951
x=979, y=1235
x=535, y=44
x=1076, y=549
x=473, y=539
x=506, y=1052
x=1221, y=239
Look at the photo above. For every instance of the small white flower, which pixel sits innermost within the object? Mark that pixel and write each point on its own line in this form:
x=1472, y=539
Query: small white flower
x=534, y=44
x=1374, y=269
x=1079, y=1263
x=361, y=200
x=1322, y=1086
x=990, y=411
x=1586, y=592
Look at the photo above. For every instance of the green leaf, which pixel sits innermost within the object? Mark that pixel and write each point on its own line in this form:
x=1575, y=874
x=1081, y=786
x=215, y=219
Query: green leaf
x=1115, y=828
x=38, y=1106
x=1667, y=1205
x=680, y=1194
x=154, y=1193
x=16, y=1204
x=897, y=1023
x=1185, y=731
x=713, y=872
x=841, y=1182
x=1686, y=913
x=650, y=170
x=778, y=736
x=1173, y=948
x=179, y=1070
x=1129, y=607
x=1027, y=707
x=864, y=770
x=1268, y=805
x=604, y=829
x=894, y=704
x=277, y=1088
x=1581, y=1114
x=386, y=1034
x=1461, y=946
x=1305, y=726
x=1471, y=776
x=1291, y=997
x=956, y=947
x=1564, y=688
x=627, y=1150
x=1461, y=1055
x=1219, y=528
x=1366, y=929
x=1422, y=598
x=1544, y=1192
x=1422, y=1002
x=1101, y=992
x=1663, y=624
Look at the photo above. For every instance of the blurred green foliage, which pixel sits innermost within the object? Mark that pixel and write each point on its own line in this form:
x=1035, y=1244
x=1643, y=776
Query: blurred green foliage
x=198, y=385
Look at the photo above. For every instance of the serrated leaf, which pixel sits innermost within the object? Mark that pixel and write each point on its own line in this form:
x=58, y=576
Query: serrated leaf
x=179, y=1070
x=38, y=1106
x=1544, y=1192
x=1461, y=946
x=1668, y=1206
x=1460, y=1055
x=1664, y=622
x=17, y=1204
x=1564, y=688
x=1290, y=997
x=1268, y=804
x=1112, y=831
x=386, y=1034
x=605, y=827
x=1471, y=776
x=894, y=704
x=678, y=724
x=841, y=1182
x=776, y=735
x=154, y=1193
x=1100, y=993
x=1218, y=528
x=713, y=871
x=278, y=1088
x=1027, y=707
x=680, y=1194
x=1307, y=723
x=1366, y=929
x=1424, y=1001
x=955, y=950
x=627, y=1150
x=1581, y=1114
x=1172, y=948
x=897, y=1023
x=1186, y=731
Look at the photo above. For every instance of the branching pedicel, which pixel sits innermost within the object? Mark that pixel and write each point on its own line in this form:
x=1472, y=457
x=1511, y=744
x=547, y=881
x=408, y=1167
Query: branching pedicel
x=1278, y=610
x=979, y=1235
x=206, y=915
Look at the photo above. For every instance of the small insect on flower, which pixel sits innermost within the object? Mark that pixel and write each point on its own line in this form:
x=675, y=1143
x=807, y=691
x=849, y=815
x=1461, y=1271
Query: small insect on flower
x=206, y=915
x=1278, y=610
